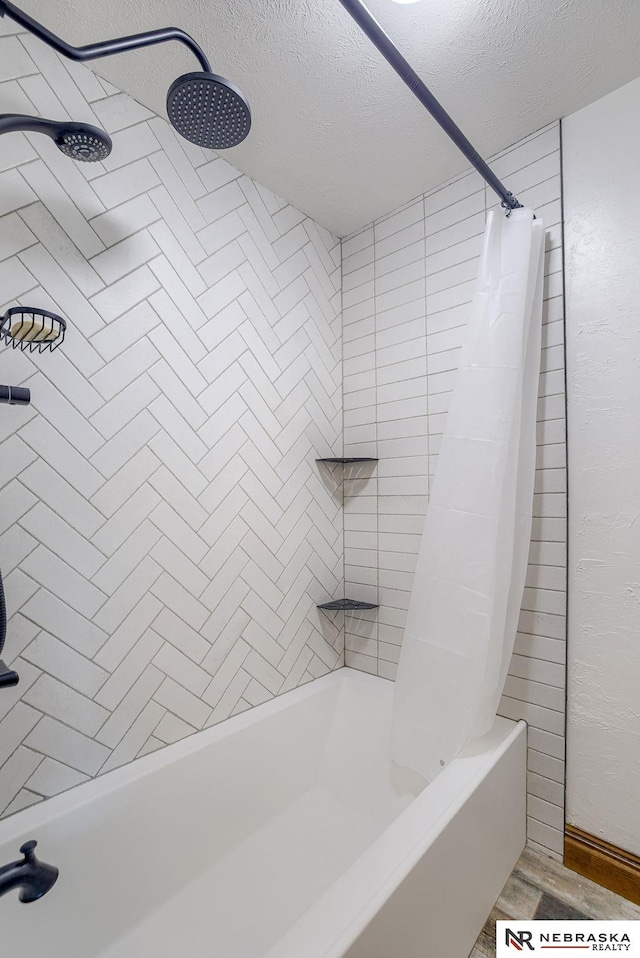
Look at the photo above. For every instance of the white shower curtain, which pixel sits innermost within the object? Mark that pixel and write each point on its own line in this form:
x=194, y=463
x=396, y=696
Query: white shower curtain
x=469, y=580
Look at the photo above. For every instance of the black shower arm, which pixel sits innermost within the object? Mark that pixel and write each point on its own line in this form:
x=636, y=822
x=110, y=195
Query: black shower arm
x=107, y=48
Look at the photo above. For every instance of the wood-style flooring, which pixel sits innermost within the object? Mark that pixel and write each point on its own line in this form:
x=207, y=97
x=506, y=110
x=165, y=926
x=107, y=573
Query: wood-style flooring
x=541, y=887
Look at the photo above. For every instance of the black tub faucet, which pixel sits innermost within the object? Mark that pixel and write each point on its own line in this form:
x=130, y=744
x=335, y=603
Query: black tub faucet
x=34, y=878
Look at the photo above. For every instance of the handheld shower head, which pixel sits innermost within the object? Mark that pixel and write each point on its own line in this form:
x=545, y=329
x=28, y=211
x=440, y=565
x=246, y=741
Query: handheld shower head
x=208, y=110
x=82, y=142
x=79, y=141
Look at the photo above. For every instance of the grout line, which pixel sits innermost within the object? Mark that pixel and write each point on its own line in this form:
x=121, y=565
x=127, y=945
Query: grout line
x=566, y=416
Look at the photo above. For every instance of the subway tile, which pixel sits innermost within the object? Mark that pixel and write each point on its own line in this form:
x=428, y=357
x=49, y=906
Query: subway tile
x=357, y=660
x=545, y=836
x=357, y=241
x=527, y=690
x=548, y=553
x=547, y=743
x=49, y=529
x=66, y=745
x=182, y=703
x=459, y=188
x=410, y=408
x=546, y=812
x=450, y=277
x=399, y=258
x=128, y=633
x=118, y=186
x=409, y=293
x=543, y=600
x=179, y=667
x=548, y=766
x=405, y=275
x=16, y=726
x=454, y=231
x=547, y=577
x=361, y=645
x=59, y=701
x=14, y=774
x=171, y=729
x=401, y=325
x=180, y=601
x=125, y=219
x=135, y=737
x=387, y=670
x=539, y=717
x=401, y=428
x=394, y=223
x=58, y=659
x=544, y=788
x=44, y=186
x=404, y=351
x=125, y=714
x=45, y=441
x=461, y=210
x=396, y=391
x=51, y=777
x=63, y=581
x=123, y=295
x=540, y=647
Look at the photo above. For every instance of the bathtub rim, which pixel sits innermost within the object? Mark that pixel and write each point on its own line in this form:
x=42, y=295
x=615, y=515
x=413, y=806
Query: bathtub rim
x=363, y=889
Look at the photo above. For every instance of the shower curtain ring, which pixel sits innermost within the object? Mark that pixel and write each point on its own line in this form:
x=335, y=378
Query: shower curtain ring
x=508, y=209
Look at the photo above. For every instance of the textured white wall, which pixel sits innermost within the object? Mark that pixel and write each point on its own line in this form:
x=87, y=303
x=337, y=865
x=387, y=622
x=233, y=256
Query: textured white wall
x=602, y=206
x=165, y=533
x=407, y=283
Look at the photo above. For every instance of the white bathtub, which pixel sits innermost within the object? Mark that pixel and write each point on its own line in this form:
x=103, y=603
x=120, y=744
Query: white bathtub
x=275, y=834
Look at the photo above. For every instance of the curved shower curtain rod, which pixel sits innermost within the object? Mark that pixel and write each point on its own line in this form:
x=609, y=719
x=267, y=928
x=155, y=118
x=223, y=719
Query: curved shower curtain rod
x=370, y=26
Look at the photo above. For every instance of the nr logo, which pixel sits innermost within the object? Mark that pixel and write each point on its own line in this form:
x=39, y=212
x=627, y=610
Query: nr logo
x=519, y=939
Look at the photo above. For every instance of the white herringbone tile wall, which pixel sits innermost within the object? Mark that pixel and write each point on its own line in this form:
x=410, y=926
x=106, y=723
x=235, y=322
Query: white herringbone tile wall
x=407, y=284
x=165, y=534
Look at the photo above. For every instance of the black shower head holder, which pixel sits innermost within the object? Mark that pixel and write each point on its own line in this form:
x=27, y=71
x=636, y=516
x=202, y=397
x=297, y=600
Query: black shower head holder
x=32, y=329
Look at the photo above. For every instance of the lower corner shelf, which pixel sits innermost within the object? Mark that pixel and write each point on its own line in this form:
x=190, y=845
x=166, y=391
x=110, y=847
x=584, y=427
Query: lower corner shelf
x=347, y=460
x=347, y=605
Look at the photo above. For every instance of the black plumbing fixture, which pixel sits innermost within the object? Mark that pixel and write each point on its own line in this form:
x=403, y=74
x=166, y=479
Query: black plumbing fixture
x=78, y=141
x=7, y=676
x=370, y=26
x=33, y=877
x=15, y=395
x=30, y=328
x=202, y=107
x=208, y=110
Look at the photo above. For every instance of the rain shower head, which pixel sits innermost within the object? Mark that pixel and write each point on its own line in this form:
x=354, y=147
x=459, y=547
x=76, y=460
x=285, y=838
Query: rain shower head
x=208, y=110
x=79, y=141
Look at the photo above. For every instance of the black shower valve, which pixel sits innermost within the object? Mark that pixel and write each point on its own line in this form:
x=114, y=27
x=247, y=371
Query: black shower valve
x=7, y=676
x=15, y=395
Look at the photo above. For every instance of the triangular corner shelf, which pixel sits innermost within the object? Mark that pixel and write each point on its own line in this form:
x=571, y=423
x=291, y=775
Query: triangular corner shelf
x=347, y=605
x=345, y=460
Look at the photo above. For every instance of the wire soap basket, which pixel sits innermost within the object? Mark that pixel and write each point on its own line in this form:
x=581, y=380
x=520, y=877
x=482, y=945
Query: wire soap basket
x=28, y=328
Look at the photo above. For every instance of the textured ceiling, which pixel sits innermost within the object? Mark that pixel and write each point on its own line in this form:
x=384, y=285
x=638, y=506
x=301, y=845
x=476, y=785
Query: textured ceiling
x=335, y=131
